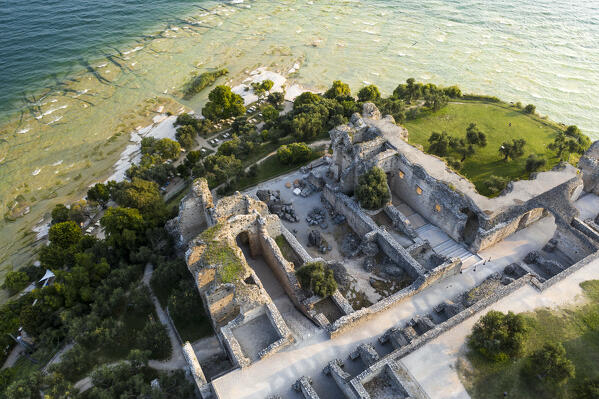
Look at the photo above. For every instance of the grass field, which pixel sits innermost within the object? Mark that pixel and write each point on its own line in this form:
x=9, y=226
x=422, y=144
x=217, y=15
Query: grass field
x=270, y=168
x=494, y=120
x=577, y=328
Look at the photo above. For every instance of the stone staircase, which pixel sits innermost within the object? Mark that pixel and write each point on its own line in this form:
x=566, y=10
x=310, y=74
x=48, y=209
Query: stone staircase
x=446, y=246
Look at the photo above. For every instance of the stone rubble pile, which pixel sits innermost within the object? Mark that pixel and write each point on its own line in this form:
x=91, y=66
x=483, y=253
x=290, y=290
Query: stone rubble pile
x=283, y=210
x=350, y=245
x=315, y=239
x=304, y=187
x=336, y=218
x=317, y=216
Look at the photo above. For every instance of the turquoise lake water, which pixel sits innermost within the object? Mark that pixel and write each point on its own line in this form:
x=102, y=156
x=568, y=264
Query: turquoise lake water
x=73, y=72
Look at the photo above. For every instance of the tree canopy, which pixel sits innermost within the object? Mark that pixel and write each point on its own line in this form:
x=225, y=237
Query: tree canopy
x=317, y=278
x=372, y=191
x=512, y=150
x=551, y=364
x=499, y=336
x=339, y=89
x=223, y=103
x=369, y=93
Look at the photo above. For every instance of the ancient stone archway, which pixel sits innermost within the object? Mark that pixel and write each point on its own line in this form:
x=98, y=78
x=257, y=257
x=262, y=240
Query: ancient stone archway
x=470, y=229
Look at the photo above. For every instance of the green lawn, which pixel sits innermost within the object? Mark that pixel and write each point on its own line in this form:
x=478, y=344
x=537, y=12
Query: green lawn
x=577, y=328
x=270, y=168
x=493, y=119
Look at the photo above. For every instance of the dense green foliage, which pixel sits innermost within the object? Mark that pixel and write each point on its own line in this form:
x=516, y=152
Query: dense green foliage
x=317, y=278
x=200, y=82
x=512, y=150
x=202, y=127
x=534, y=163
x=372, y=191
x=550, y=364
x=260, y=88
x=530, y=109
x=369, y=93
x=538, y=373
x=99, y=193
x=570, y=141
x=155, y=160
x=444, y=145
x=222, y=104
x=294, y=153
x=338, y=89
x=186, y=136
x=15, y=281
x=499, y=336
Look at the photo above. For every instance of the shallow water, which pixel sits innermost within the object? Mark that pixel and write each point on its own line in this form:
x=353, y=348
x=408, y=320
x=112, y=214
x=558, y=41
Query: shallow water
x=73, y=73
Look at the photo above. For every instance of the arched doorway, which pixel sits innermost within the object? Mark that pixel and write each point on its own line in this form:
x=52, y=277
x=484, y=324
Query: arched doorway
x=471, y=227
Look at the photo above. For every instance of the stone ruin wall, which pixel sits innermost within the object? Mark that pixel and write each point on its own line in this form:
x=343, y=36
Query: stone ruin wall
x=432, y=199
x=589, y=165
x=359, y=221
x=283, y=270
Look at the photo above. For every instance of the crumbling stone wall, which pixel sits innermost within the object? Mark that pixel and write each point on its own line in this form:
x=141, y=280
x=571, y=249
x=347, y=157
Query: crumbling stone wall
x=589, y=165
x=398, y=254
x=443, y=197
x=283, y=270
x=359, y=221
x=195, y=214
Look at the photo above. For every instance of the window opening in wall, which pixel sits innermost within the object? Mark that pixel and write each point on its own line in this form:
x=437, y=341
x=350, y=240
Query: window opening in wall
x=418, y=190
x=401, y=174
x=438, y=208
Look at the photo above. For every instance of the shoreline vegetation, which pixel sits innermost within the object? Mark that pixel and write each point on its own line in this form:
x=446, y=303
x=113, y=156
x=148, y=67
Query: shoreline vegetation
x=202, y=81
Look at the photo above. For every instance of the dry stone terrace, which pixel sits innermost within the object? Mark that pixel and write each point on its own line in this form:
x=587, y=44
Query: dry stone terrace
x=432, y=257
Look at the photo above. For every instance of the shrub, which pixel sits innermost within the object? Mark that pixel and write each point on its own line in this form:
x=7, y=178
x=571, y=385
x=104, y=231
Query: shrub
x=294, y=153
x=202, y=81
x=369, y=93
x=453, y=92
x=530, y=109
x=15, y=281
x=317, y=278
x=499, y=336
x=270, y=113
x=550, y=364
x=495, y=184
x=372, y=190
x=276, y=99
x=339, y=89
x=534, y=163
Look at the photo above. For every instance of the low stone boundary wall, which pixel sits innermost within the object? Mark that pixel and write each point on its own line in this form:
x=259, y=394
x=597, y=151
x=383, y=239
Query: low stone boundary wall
x=449, y=268
x=202, y=385
x=304, y=385
x=398, y=254
x=359, y=221
x=400, y=221
x=585, y=228
x=299, y=250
